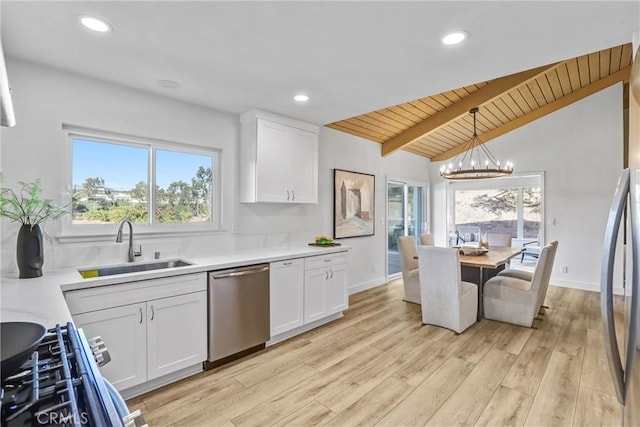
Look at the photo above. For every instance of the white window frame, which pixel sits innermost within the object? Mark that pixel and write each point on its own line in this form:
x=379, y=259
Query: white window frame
x=103, y=232
x=513, y=181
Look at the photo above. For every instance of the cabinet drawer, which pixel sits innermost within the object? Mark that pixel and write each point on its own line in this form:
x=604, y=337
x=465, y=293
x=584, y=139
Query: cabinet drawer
x=286, y=263
x=327, y=260
x=99, y=298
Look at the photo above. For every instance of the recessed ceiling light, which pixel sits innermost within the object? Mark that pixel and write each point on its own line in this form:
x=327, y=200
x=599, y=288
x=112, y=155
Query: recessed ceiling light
x=169, y=84
x=95, y=24
x=455, y=37
x=301, y=97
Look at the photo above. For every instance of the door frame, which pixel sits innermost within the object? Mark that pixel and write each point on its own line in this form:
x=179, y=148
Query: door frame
x=407, y=182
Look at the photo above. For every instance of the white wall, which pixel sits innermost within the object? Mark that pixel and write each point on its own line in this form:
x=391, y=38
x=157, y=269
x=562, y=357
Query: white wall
x=44, y=98
x=579, y=148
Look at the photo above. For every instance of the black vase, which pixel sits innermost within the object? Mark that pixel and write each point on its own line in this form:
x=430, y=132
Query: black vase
x=30, y=252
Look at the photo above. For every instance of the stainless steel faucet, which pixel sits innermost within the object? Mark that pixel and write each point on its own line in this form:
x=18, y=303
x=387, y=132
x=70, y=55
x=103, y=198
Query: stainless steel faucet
x=132, y=254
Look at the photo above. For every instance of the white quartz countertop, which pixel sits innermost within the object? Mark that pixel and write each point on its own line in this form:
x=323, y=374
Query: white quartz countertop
x=41, y=299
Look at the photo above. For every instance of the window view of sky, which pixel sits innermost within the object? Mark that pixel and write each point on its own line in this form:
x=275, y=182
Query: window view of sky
x=122, y=166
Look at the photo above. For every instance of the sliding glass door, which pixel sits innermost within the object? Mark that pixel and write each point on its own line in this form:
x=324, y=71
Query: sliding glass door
x=406, y=216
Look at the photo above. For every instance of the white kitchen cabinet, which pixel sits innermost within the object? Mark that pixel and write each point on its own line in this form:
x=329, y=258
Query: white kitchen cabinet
x=325, y=286
x=124, y=330
x=278, y=159
x=286, y=289
x=151, y=327
x=176, y=333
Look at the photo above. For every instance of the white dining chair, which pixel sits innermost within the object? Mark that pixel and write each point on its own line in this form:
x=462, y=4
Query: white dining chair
x=528, y=275
x=409, y=264
x=516, y=301
x=447, y=301
x=426, y=239
x=499, y=240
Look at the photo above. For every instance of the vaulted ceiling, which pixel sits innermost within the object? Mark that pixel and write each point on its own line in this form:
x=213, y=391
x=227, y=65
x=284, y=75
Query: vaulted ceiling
x=439, y=126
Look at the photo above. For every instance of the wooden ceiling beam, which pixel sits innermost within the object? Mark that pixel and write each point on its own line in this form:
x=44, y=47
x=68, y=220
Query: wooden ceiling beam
x=477, y=98
x=598, y=85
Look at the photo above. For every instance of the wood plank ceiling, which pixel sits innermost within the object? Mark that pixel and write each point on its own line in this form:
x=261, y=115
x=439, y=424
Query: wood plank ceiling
x=439, y=126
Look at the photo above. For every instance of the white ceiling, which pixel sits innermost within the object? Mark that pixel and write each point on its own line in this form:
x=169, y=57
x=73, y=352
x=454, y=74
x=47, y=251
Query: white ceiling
x=350, y=57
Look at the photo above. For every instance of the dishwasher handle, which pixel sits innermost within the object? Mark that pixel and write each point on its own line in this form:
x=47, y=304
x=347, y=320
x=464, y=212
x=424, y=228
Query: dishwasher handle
x=239, y=273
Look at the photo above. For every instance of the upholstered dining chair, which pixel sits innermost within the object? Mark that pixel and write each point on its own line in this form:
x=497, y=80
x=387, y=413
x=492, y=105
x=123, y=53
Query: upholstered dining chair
x=499, y=240
x=409, y=265
x=516, y=301
x=528, y=275
x=426, y=239
x=447, y=301
x=467, y=233
x=532, y=249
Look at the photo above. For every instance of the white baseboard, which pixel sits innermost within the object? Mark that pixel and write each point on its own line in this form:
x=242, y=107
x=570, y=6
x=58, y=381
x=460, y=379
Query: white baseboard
x=367, y=285
x=585, y=286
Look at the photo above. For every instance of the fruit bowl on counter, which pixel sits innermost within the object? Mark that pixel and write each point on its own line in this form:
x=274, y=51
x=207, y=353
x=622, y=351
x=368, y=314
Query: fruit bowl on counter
x=324, y=241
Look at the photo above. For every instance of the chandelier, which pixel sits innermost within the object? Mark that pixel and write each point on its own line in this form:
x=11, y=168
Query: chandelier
x=477, y=162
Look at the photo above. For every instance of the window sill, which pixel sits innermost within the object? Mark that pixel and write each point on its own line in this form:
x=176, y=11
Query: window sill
x=143, y=235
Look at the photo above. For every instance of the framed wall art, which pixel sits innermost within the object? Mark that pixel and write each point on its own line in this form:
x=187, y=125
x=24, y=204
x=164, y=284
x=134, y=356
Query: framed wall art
x=353, y=204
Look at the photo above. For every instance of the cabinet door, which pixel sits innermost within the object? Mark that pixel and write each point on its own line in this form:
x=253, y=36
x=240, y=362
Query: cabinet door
x=123, y=330
x=286, y=284
x=315, y=294
x=302, y=177
x=176, y=333
x=272, y=161
x=336, y=291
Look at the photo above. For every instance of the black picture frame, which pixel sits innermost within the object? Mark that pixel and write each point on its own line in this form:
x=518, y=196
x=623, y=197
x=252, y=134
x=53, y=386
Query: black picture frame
x=353, y=204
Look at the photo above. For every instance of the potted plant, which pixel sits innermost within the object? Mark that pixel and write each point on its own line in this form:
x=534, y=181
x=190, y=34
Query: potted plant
x=30, y=209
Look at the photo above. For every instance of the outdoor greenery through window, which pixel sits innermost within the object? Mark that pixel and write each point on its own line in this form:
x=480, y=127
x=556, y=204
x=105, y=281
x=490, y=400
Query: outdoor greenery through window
x=112, y=181
x=500, y=207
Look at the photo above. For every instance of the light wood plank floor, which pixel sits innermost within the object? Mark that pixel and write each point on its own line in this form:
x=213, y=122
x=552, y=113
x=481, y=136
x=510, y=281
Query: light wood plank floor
x=379, y=366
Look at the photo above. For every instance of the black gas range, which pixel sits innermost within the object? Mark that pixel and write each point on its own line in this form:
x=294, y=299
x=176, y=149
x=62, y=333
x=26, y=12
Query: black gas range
x=61, y=385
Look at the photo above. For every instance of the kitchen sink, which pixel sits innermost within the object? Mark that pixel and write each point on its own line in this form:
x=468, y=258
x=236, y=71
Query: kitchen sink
x=132, y=268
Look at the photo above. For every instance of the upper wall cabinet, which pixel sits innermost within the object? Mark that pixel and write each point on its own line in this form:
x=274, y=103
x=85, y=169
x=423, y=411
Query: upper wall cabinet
x=278, y=159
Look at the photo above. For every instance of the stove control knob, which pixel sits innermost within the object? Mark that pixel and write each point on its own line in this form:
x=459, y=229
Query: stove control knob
x=100, y=351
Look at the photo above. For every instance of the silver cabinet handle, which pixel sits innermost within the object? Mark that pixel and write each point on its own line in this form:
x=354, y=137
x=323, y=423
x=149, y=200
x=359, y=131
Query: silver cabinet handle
x=331, y=277
x=294, y=195
x=327, y=260
x=326, y=275
x=288, y=195
x=140, y=316
x=287, y=263
x=606, y=283
x=153, y=312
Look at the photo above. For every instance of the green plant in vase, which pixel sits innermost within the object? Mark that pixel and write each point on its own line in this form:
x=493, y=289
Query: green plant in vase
x=29, y=207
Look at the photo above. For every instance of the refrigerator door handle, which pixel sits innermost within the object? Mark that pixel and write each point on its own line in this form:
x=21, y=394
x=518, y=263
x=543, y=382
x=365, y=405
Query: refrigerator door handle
x=635, y=274
x=606, y=283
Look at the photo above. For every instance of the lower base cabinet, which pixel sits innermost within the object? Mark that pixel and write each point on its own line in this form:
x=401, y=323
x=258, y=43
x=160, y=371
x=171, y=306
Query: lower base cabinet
x=149, y=339
x=172, y=325
x=305, y=290
x=286, y=289
x=124, y=331
x=325, y=287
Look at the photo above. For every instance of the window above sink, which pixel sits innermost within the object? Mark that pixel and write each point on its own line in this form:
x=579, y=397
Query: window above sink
x=162, y=187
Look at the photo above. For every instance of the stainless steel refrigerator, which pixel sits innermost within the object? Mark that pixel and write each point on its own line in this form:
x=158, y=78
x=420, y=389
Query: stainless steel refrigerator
x=625, y=217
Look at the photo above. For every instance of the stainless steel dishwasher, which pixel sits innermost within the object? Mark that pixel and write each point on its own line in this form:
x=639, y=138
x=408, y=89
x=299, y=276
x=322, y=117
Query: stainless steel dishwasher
x=238, y=312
